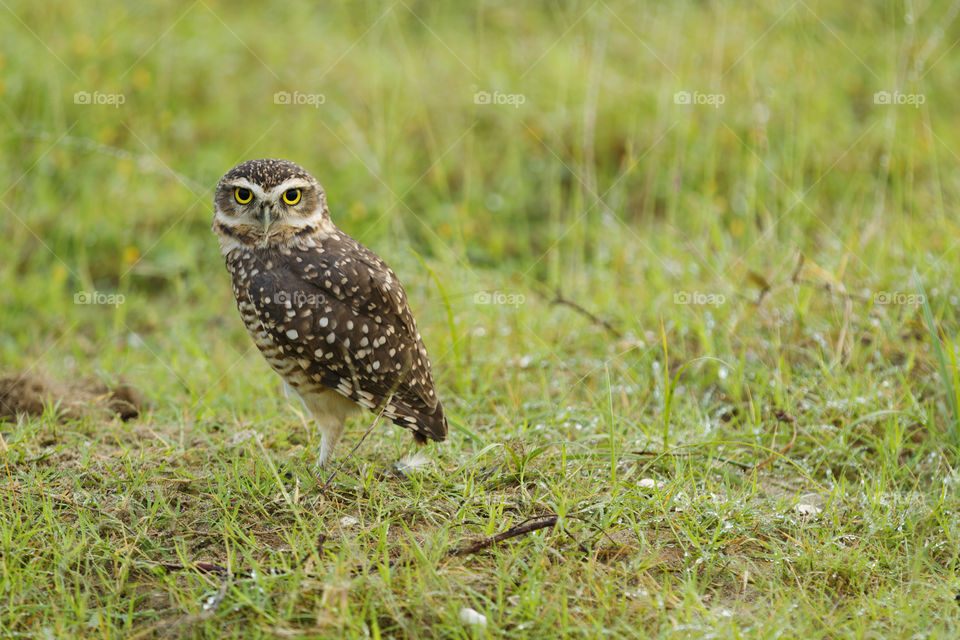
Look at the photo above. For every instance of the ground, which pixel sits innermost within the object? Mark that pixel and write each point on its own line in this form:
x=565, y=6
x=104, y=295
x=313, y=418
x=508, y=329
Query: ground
x=687, y=273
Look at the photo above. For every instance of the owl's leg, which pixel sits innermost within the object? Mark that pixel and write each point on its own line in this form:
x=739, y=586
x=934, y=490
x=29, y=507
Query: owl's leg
x=331, y=428
x=326, y=407
x=330, y=411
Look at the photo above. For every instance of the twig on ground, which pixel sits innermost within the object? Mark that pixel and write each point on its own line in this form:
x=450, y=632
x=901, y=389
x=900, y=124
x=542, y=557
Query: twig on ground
x=583, y=548
x=210, y=606
x=200, y=567
x=560, y=300
x=525, y=527
x=659, y=454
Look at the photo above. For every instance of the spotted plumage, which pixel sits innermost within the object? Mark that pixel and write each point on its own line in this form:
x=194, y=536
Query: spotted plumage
x=326, y=312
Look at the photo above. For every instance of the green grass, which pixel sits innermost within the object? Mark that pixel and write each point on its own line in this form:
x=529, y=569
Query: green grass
x=797, y=420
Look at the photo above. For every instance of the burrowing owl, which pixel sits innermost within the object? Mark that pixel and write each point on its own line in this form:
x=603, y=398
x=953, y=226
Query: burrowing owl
x=326, y=312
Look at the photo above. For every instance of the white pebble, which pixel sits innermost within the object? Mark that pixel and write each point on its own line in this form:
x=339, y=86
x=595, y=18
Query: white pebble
x=469, y=616
x=807, y=509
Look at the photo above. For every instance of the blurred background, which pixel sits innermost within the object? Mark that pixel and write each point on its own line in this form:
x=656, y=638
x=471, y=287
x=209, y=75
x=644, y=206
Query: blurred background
x=752, y=181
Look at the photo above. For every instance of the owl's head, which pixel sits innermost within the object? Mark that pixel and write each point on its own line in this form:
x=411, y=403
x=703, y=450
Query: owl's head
x=264, y=202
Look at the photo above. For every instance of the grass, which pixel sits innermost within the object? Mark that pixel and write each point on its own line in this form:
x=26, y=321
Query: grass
x=762, y=444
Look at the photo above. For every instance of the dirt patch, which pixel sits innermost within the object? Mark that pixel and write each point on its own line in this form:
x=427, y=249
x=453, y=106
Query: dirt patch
x=28, y=394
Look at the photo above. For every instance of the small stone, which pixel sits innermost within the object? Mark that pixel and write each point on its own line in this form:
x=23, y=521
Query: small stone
x=807, y=509
x=471, y=617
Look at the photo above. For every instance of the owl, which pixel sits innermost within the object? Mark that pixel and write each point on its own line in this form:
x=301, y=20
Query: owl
x=327, y=313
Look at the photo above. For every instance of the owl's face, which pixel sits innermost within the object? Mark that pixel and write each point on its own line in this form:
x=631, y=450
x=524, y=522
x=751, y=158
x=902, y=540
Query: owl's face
x=261, y=202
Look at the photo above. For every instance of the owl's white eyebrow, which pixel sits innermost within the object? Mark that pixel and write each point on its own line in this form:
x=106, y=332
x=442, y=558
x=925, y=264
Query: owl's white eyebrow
x=291, y=183
x=243, y=183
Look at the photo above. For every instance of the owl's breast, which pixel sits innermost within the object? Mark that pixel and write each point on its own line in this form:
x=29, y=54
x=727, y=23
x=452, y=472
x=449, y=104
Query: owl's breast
x=243, y=265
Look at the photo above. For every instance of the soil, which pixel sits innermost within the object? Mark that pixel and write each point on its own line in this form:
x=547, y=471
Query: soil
x=28, y=394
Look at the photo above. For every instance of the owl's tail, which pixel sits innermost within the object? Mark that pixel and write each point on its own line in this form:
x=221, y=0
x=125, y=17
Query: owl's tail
x=426, y=423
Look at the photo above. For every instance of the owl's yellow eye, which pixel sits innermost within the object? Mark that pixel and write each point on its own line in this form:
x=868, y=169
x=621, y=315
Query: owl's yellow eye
x=242, y=195
x=292, y=196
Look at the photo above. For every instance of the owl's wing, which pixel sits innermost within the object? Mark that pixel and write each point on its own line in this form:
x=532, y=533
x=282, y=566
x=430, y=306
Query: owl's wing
x=342, y=315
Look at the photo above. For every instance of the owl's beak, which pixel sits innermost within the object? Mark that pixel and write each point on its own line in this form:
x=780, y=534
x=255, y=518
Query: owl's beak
x=264, y=218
